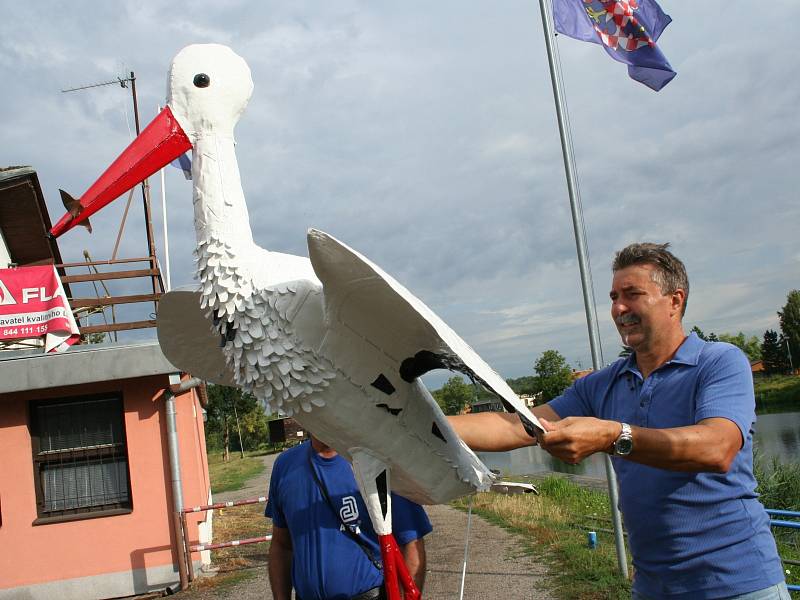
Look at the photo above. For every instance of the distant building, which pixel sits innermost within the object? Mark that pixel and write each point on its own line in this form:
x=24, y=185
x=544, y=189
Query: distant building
x=286, y=429
x=531, y=400
x=495, y=405
x=581, y=373
x=489, y=405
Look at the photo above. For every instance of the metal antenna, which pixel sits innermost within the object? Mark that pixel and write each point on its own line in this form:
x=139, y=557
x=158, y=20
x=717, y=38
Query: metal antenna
x=119, y=80
x=151, y=249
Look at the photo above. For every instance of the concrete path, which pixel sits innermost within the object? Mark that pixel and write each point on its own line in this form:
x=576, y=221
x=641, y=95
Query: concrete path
x=496, y=569
x=496, y=566
x=252, y=488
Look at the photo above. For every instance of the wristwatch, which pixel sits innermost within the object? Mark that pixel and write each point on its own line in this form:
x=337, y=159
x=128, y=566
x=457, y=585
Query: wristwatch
x=624, y=444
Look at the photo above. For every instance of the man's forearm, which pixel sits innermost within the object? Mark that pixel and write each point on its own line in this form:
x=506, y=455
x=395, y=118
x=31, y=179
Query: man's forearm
x=280, y=575
x=708, y=446
x=280, y=564
x=416, y=561
x=496, y=431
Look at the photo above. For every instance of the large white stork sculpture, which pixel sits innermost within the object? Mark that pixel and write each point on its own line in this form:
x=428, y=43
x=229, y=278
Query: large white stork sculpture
x=334, y=341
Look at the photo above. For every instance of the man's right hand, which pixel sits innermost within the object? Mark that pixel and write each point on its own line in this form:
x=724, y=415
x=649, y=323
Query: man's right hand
x=574, y=438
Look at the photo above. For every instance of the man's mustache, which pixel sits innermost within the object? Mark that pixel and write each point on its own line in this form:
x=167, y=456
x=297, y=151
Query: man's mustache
x=628, y=319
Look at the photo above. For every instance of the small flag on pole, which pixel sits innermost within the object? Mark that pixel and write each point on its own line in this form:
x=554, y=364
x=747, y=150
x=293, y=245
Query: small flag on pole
x=184, y=163
x=627, y=29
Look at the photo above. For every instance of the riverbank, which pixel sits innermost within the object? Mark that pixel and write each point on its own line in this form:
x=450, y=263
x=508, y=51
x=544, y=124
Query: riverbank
x=776, y=393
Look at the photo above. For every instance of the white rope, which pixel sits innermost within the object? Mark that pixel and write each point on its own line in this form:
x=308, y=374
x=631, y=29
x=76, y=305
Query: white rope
x=466, y=550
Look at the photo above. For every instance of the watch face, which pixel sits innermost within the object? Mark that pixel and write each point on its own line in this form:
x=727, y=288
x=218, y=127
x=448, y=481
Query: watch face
x=623, y=446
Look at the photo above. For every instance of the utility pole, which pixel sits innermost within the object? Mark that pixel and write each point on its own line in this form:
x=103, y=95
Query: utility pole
x=151, y=248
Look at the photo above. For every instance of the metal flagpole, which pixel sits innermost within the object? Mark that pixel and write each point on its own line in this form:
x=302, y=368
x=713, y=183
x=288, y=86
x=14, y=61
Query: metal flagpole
x=583, y=260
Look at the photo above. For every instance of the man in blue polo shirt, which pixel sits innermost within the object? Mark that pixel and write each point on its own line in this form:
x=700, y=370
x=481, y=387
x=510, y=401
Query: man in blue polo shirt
x=323, y=544
x=677, y=416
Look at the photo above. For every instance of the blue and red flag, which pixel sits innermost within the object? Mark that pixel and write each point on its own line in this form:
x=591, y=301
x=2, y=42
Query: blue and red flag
x=184, y=163
x=627, y=29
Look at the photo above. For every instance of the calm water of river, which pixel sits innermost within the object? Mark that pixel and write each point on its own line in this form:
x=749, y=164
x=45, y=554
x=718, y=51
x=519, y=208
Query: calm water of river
x=776, y=434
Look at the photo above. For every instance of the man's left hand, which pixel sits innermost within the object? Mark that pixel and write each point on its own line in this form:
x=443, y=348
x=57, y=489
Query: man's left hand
x=574, y=438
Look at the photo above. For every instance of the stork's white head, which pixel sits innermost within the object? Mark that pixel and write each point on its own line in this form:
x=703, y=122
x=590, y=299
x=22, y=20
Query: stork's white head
x=208, y=88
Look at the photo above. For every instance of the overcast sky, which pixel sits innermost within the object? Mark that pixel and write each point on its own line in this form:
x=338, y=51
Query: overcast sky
x=424, y=135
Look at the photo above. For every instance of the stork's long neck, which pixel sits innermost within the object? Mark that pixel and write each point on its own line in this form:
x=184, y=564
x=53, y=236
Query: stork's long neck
x=261, y=348
x=225, y=244
x=220, y=211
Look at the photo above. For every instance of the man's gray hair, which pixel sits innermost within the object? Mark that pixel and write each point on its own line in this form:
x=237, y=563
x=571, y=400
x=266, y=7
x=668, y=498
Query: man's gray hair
x=669, y=272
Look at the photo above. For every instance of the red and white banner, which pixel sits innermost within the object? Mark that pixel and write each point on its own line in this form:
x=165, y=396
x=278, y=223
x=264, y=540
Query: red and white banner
x=33, y=304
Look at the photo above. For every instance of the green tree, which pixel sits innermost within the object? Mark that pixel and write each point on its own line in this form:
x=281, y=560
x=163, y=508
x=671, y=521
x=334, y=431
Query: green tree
x=789, y=319
x=235, y=420
x=774, y=356
x=711, y=337
x=553, y=373
x=454, y=395
x=255, y=426
x=527, y=384
x=750, y=346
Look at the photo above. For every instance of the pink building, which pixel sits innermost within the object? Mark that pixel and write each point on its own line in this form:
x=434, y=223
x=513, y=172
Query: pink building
x=88, y=482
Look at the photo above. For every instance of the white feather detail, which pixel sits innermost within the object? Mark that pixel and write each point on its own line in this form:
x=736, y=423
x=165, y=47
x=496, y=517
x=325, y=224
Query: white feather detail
x=266, y=357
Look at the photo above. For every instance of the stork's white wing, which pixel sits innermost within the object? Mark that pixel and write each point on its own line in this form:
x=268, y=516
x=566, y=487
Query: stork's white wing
x=186, y=337
x=361, y=297
x=269, y=269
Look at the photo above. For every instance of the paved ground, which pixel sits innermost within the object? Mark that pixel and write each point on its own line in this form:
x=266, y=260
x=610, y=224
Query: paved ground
x=253, y=488
x=496, y=567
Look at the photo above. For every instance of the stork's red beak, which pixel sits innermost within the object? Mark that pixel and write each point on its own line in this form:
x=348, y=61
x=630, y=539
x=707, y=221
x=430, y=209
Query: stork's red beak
x=161, y=142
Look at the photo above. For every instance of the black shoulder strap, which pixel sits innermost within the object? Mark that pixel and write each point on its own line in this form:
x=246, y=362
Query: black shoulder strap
x=346, y=527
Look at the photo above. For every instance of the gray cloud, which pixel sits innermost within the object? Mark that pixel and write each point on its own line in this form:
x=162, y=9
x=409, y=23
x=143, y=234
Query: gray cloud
x=425, y=137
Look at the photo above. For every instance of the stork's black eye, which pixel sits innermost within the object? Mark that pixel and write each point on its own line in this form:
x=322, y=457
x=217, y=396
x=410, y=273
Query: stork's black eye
x=202, y=80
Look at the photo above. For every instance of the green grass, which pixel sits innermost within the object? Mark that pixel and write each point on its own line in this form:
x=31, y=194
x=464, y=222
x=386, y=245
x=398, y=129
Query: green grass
x=231, y=475
x=554, y=526
x=778, y=483
x=777, y=393
x=779, y=488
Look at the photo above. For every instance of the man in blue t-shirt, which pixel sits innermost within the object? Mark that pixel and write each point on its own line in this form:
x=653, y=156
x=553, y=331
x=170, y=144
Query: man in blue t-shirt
x=311, y=551
x=677, y=416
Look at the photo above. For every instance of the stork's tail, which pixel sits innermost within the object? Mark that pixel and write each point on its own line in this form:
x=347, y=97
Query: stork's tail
x=74, y=208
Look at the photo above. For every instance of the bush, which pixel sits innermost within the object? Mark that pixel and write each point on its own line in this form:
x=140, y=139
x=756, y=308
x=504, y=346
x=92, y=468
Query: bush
x=778, y=483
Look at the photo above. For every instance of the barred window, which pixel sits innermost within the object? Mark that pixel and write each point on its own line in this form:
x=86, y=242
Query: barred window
x=79, y=455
